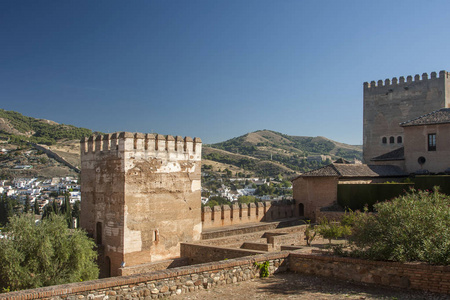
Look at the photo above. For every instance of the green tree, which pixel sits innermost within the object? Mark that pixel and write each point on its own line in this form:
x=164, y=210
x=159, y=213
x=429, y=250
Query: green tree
x=76, y=211
x=36, y=207
x=27, y=206
x=411, y=227
x=247, y=199
x=44, y=254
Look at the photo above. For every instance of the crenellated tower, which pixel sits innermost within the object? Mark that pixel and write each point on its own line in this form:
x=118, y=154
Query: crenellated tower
x=140, y=196
x=388, y=103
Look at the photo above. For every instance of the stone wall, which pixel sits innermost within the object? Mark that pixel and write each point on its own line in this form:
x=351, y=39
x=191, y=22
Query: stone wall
x=239, y=214
x=417, y=276
x=388, y=103
x=196, y=253
x=141, y=196
x=161, y=283
x=207, y=275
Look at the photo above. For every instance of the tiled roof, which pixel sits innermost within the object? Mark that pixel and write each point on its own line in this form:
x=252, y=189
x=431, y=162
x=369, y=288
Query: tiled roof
x=440, y=116
x=397, y=154
x=355, y=170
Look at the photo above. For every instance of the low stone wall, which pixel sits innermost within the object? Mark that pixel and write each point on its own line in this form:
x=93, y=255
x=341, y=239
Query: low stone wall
x=417, y=276
x=154, y=266
x=238, y=214
x=329, y=215
x=200, y=253
x=160, y=284
x=257, y=246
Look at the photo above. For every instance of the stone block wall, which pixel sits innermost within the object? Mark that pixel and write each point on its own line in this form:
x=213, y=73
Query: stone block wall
x=238, y=214
x=160, y=284
x=388, y=103
x=417, y=276
x=197, y=253
x=141, y=196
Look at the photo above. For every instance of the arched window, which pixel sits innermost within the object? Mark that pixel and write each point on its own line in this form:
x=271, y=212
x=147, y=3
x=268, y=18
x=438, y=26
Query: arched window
x=391, y=140
x=384, y=140
x=399, y=140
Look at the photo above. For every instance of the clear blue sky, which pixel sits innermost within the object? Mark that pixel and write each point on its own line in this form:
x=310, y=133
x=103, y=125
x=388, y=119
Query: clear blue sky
x=213, y=69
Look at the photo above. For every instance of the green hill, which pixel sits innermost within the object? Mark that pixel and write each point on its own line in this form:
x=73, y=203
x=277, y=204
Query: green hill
x=18, y=128
x=285, y=154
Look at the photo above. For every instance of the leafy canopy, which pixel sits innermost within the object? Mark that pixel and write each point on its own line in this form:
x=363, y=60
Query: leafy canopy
x=412, y=227
x=43, y=254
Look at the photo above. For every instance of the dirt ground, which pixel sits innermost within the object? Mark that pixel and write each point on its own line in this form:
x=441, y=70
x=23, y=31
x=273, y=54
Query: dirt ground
x=296, y=286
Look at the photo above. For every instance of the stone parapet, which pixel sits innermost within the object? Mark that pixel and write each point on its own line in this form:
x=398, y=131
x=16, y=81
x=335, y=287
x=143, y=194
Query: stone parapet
x=226, y=215
x=148, y=144
x=387, y=83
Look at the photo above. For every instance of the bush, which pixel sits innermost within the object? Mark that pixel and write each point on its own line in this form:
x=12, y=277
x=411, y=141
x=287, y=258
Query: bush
x=43, y=254
x=413, y=227
x=332, y=230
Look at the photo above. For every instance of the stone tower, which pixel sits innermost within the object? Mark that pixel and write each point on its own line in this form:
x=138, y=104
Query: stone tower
x=140, y=196
x=388, y=103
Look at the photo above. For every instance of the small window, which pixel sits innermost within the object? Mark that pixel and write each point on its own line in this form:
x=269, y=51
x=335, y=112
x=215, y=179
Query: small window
x=391, y=140
x=384, y=140
x=432, y=142
x=399, y=140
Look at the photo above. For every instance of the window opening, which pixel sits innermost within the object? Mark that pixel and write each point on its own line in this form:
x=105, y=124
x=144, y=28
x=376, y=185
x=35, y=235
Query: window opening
x=432, y=142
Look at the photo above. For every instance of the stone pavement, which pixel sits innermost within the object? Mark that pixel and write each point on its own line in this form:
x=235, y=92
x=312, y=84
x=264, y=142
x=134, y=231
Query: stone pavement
x=299, y=286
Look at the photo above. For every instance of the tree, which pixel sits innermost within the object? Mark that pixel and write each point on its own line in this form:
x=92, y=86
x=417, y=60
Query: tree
x=411, y=227
x=43, y=254
x=27, y=206
x=36, y=207
x=247, y=199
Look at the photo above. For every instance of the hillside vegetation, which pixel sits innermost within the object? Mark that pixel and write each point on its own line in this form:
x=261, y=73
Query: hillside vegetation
x=261, y=153
x=268, y=153
x=18, y=129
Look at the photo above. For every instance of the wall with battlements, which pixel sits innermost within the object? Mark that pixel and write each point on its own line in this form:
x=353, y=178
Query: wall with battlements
x=239, y=214
x=390, y=102
x=131, y=185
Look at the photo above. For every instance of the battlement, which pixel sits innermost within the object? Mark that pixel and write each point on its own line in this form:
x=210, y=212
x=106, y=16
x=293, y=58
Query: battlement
x=401, y=80
x=140, y=142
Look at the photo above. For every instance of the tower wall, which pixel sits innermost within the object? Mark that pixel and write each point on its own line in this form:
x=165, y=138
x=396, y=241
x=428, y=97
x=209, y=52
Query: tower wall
x=388, y=103
x=141, y=195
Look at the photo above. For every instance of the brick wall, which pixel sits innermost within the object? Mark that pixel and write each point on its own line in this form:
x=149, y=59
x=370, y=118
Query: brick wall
x=417, y=276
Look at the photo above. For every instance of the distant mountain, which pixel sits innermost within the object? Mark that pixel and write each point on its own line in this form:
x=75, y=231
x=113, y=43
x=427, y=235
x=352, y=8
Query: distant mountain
x=285, y=154
x=19, y=128
x=259, y=153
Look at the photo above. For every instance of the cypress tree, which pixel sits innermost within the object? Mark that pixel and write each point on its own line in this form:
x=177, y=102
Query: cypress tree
x=27, y=206
x=36, y=207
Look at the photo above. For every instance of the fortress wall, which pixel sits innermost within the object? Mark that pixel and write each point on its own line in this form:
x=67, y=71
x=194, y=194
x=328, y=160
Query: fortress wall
x=182, y=280
x=390, y=102
x=161, y=284
x=131, y=185
x=239, y=214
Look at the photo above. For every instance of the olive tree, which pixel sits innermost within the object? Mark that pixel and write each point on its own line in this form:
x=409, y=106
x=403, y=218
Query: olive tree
x=44, y=253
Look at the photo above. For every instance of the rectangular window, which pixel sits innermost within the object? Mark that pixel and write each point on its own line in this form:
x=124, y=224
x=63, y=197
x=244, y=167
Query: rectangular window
x=432, y=142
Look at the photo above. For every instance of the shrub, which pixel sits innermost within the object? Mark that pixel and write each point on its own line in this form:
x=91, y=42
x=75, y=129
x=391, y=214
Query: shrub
x=412, y=227
x=332, y=230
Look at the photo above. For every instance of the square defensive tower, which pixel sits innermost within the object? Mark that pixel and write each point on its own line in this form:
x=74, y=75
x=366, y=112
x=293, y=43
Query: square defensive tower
x=389, y=103
x=141, y=196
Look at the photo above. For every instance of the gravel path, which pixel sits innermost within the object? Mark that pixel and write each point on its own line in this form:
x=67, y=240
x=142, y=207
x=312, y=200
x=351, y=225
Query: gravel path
x=296, y=286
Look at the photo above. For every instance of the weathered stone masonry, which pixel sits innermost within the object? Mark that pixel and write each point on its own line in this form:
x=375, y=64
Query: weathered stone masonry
x=141, y=196
x=388, y=103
